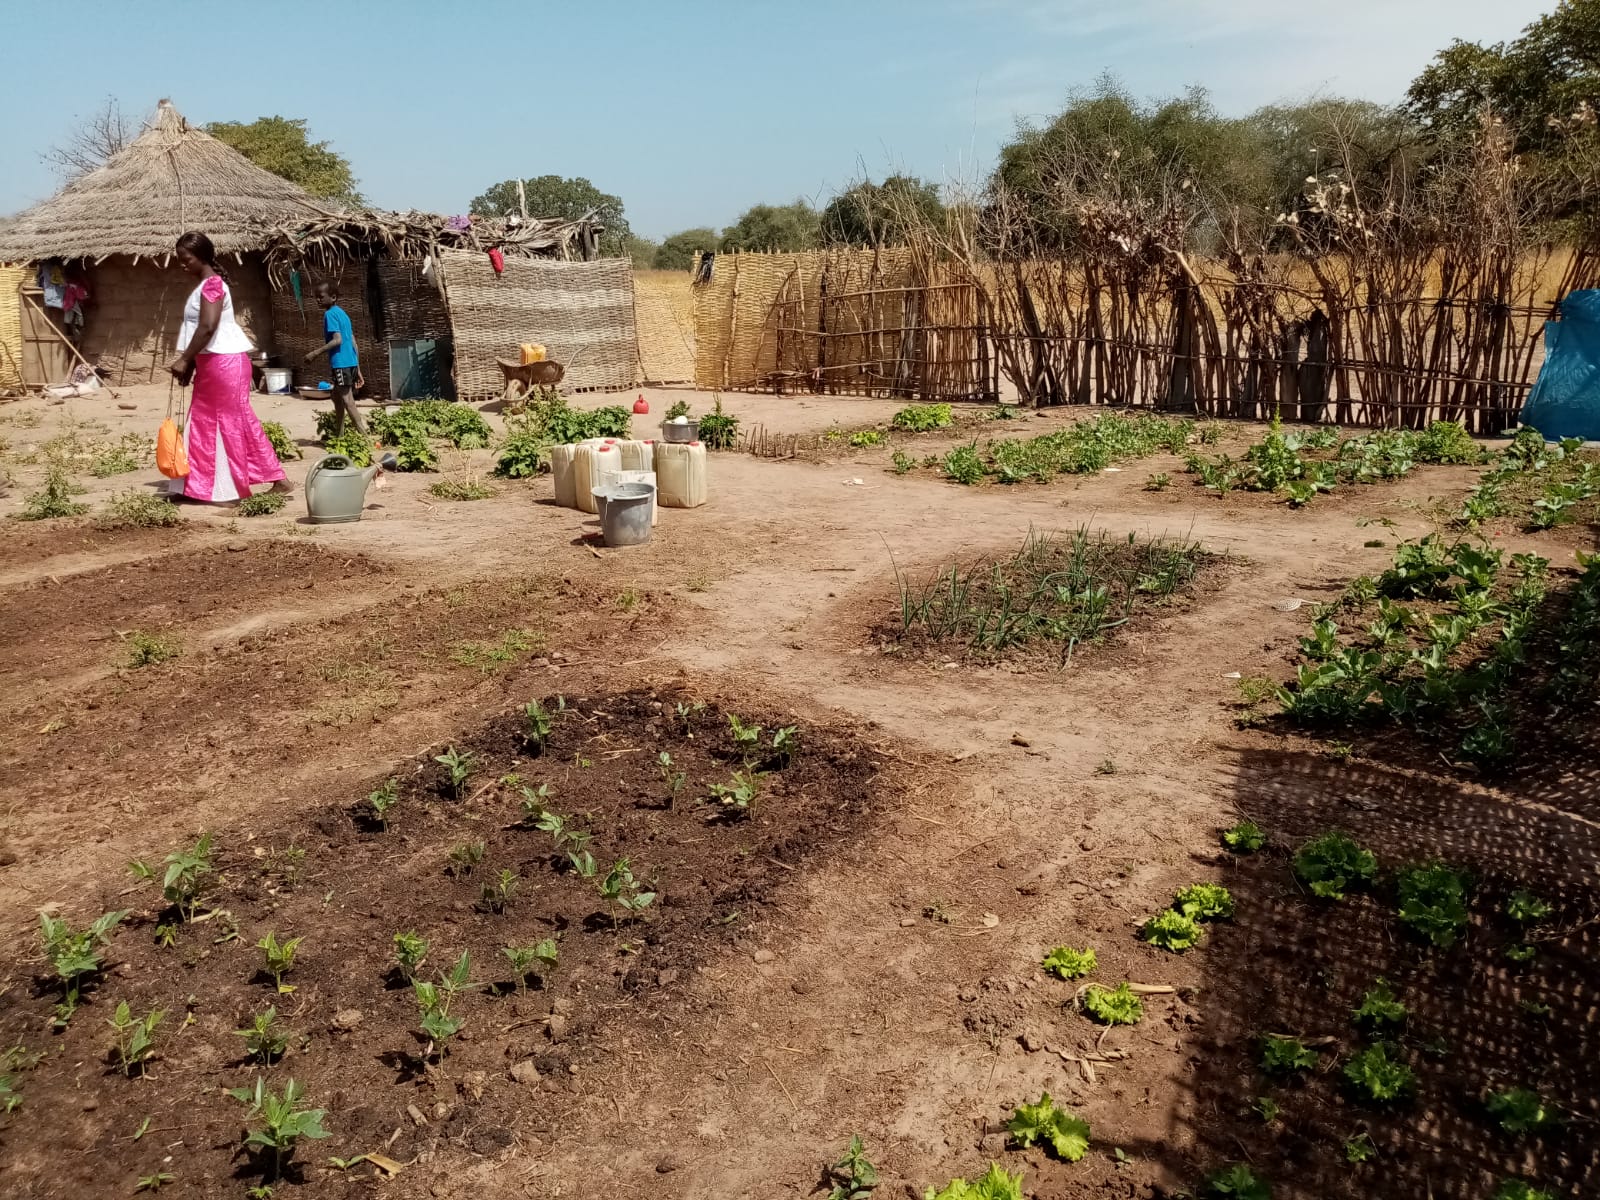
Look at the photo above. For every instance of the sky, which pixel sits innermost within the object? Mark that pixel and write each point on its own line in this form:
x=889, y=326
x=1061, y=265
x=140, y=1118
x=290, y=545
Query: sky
x=689, y=110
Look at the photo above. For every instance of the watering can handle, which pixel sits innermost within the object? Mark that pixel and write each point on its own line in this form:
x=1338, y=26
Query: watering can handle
x=332, y=462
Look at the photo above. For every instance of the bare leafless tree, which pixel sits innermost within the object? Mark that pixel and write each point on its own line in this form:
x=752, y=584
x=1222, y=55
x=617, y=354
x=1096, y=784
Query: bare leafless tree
x=92, y=141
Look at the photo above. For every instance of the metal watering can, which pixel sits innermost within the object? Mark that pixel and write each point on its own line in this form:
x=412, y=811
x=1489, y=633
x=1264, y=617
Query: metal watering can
x=336, y=490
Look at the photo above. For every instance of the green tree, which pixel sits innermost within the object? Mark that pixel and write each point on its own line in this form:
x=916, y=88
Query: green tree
x=642, y=251
x=679, y=251
x=566, y=199
x=281, y=145
x=1551, y=71
x=882, y=214
x=775, y=227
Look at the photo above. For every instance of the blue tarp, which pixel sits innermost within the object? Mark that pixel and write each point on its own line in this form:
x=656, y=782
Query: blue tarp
x=1565, y=401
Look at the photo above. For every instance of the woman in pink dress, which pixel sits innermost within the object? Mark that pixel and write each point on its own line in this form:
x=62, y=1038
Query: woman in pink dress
x=226, y=447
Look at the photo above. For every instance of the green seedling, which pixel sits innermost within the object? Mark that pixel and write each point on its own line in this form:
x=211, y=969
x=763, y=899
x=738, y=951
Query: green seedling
x=166, y=935
x=536, y=724
x=1359, y=1148
x=1521, y=1189
x=1205, y=902
x=186, y=871
x=279, y=958
x=264, y=1038
x=524, y=959
x=740, y=793
x=1238, y=1182
x=135, y=1037
x=1332, y=864
x=1066, y=963
x=153, y=1183
x=1171, y=930
x=687, y=714
x=1065, y=1136
x=1244, y=838
x=1379, y=1007
x=278, y=1121
x=464, y=857
x=1113, y=1006
x=1268, y=1109
x=1283, y=1055
x=672, y=780
x=410, y=952
x=746, y=739
x=501, y=890
x=786, y=744
x=853, y=1177
x=620, y=889
x=997, y=1184
x=381, y=800
x=1521, y=1110
x=460, y=767
x=1433, y=902
x=74, y=955
x=1521, y=953
x=535, y=806
x=434, y=1001
x=1106, y=767
x=1526, y=908
x=1377, y=1078
x=583, y=863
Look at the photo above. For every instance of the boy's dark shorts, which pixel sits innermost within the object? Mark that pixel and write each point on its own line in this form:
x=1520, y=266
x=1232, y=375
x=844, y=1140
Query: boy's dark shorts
x=344, y=379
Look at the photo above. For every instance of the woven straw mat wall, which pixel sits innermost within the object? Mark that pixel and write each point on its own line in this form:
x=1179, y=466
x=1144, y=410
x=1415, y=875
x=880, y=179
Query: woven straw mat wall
x=11, y=326
x=298, y=328
x=581, y=312
x=663, y=306
x=734, y=336
x=412, y=306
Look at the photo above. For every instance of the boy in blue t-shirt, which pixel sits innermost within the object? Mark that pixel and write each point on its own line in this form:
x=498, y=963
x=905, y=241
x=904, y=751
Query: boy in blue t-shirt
x=339, y=344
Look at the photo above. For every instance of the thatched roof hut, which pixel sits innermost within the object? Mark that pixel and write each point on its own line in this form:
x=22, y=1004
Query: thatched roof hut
x=172, y=178
x=115, y=228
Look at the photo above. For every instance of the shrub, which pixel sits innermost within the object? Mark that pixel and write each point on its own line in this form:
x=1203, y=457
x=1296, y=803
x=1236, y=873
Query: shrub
x=1281, y=1055
x=1433, y=902
x=1332, y=863
x=1113, y=1006
x=1377, y=1078
x=139, y=510
x=525, y=452
x=718, y=430
x=282, y=444
x=263, y=504
x=923, y=418
x=1244, y=838
x=1171, y=930
x=1066, y=963
x=352, y=445
x=1205, y=902
x=53, y=500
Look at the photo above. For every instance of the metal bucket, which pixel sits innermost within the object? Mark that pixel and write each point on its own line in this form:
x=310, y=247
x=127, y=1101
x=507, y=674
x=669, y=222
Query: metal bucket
x=625, y=512
x=689, y=431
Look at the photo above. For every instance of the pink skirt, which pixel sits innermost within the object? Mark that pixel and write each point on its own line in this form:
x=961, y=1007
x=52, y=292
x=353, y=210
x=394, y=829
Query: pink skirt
x=227, y=449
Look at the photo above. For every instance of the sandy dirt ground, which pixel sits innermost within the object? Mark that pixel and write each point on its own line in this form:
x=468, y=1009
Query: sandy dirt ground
x=891, y=988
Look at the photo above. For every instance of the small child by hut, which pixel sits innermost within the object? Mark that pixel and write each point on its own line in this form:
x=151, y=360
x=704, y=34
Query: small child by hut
x=339, y=344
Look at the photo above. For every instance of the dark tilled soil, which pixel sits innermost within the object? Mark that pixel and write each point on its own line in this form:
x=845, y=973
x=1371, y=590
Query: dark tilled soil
x=83, y=620
x=355, y=1045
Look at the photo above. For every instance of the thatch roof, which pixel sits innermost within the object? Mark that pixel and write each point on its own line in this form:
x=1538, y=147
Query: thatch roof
x=170, y=179
x=322, y=238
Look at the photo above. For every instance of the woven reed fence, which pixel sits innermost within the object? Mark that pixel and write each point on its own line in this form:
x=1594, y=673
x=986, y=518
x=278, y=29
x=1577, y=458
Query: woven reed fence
x=1447, y=337
x=663, y=306
x=11, y=278
x=412, y=306
x=297, y=327
x=581, y=311
x=754, y=302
